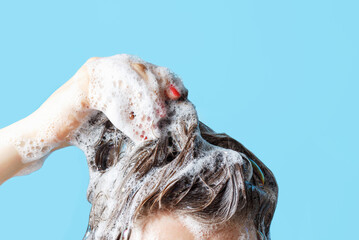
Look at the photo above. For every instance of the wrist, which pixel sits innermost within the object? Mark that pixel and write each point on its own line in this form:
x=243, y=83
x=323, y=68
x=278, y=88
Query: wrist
x=61, y=114
x=20, y=150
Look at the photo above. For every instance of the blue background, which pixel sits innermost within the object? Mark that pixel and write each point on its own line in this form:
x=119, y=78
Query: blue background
x=279, y=76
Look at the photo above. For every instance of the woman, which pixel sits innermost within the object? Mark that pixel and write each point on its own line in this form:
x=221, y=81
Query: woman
x=156, y=172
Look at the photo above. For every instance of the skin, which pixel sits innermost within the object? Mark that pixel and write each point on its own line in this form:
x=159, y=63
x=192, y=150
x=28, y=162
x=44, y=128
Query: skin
x=168, y=225
x=29, y=127
x=152, y=228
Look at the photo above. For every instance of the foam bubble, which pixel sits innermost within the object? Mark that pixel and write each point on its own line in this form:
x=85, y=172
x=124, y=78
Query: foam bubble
x=131, y=93
x=32, y=167
x=112, y=182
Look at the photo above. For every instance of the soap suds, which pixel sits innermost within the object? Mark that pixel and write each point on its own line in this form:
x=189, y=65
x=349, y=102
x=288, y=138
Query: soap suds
x=109, y=188
x=131, y=94
x=130, y=91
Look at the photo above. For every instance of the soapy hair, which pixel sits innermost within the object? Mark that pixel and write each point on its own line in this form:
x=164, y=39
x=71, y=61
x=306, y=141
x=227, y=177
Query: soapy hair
x=212, y=195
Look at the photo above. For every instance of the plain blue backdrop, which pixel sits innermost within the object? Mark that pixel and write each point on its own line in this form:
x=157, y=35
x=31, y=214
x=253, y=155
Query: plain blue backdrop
x=279, y=76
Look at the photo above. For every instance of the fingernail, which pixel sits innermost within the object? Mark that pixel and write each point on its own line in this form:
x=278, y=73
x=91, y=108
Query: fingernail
x=173, y=93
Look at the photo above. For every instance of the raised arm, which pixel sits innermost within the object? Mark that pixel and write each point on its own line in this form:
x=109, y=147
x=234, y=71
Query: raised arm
x=131, y=93
x=24, y=144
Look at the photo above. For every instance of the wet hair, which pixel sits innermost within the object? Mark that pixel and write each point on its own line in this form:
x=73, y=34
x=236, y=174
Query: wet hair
x=213, y=195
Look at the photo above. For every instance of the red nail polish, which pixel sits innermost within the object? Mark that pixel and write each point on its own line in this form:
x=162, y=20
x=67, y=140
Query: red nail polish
x=174, y=91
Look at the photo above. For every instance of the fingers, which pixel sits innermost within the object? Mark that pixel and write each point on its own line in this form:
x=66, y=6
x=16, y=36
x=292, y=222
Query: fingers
x=91, y=60
x=140, y=69
x=170, y=90
x=82, y=80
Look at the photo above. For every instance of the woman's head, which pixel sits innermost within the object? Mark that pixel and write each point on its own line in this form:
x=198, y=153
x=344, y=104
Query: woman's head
x=199, y=174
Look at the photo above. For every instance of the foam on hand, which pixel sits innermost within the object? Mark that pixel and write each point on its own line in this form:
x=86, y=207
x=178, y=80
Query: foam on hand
x=128, y=90
x=131, y=93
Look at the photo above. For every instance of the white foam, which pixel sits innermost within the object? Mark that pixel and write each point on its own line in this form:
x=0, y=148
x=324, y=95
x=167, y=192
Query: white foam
x=108, y=183
x=32, y=167
x=130, y=92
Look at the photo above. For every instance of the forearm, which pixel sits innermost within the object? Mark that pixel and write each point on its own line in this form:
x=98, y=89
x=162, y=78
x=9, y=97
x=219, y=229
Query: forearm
x=22, y=144
x=47, y=129
x=11, y=162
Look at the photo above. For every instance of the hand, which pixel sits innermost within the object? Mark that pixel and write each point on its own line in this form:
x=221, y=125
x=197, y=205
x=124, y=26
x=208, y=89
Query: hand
x=132, y=93
x=128, y=90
